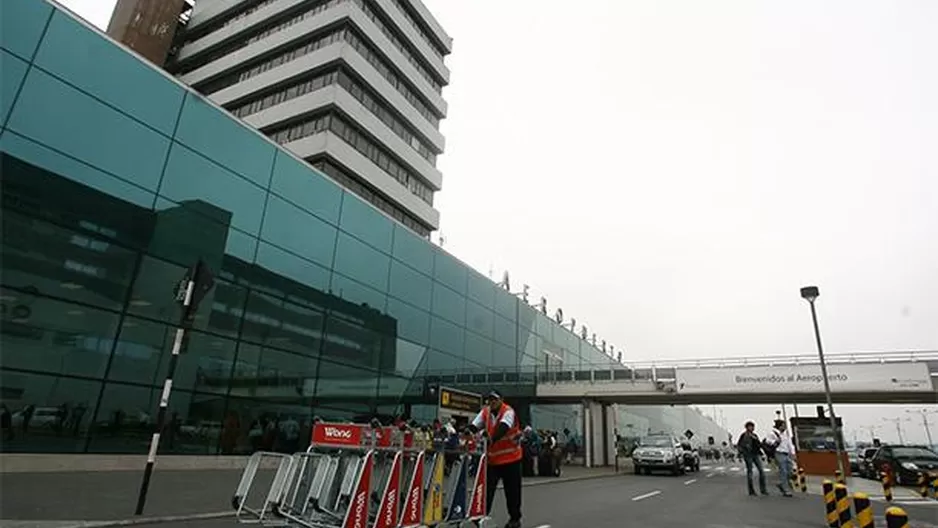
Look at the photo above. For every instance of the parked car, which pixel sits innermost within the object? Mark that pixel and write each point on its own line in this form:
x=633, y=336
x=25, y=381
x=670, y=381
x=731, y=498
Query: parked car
x=906, y=463
x=658, y=452
x=854, y=459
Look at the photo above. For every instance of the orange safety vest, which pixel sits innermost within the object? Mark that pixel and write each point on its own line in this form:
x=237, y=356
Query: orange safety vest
x=508, y=448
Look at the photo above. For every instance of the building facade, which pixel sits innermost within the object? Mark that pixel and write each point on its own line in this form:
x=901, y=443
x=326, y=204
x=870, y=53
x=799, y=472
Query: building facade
x=116, y=178
x=351, y=86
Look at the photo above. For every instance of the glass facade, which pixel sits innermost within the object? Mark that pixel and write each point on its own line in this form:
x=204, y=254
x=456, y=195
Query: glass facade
x=116, y=179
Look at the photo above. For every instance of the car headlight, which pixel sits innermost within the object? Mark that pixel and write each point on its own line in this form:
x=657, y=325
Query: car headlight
x=910, y=466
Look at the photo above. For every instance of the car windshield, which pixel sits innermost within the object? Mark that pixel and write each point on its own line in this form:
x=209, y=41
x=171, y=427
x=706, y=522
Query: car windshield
x=656, y=441
x=914, y=452
x=870, y=452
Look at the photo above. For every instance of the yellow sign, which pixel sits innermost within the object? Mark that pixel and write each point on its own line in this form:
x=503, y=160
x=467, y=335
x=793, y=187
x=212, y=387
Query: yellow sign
x=460, y=401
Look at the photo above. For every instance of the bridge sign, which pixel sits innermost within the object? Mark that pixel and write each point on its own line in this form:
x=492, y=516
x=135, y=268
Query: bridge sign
x=844, y=378
x=689, y=434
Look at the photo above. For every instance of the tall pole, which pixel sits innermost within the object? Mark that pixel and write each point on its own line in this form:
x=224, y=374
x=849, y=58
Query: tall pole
x=898, y=422
x=925, y=413
x=827, y=390
x=192, y=289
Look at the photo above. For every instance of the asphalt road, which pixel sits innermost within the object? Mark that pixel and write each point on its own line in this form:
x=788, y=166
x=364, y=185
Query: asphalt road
x=714, y=498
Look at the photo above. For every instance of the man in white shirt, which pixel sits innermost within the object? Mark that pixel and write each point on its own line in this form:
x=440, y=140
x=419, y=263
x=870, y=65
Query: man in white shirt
x=784, y=456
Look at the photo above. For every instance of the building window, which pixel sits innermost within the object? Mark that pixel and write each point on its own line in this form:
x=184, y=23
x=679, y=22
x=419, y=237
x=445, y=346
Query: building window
x=357, y=140
x=360, y=189
x=308, y=46
x=264, y=30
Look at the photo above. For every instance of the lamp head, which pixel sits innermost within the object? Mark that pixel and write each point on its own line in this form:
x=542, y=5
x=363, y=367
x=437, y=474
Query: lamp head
x=809, y=293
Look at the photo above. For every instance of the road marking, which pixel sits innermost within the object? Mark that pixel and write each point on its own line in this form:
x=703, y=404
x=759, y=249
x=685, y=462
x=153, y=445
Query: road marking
x=543, y=526
x=734, y=469
x=645, y=496
x=710, y=475
x=689, y=482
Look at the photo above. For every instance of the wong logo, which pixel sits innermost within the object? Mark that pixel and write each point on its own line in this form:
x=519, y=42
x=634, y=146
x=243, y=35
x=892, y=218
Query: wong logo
x=414, y=512
x=390, y=508
x=477, y=503
x=335, y=432
x=361, y=516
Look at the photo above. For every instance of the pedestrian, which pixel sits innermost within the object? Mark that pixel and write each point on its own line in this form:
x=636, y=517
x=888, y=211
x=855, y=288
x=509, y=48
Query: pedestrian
x=781, y=443
x=505, y=453
x=750, y=448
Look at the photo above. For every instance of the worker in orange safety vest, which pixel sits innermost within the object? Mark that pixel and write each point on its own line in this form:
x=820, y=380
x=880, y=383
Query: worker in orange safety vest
x=500, y=423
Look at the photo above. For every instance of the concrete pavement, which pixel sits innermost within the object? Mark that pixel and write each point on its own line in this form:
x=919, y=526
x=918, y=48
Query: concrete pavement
x=710, y=499
x=77, y=498
x=713, y=498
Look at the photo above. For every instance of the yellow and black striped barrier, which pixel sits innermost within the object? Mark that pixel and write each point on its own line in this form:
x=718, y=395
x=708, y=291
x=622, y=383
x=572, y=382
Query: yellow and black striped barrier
x=864, y=509
x=896, y=518
x=830, y=504
x=922, y=485
x=934, y=488
x=843, y=506
x=887, y=485
x=803, y=482
x=839, y=477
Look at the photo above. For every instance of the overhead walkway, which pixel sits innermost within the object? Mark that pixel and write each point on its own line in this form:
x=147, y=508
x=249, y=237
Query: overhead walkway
x=868, y=378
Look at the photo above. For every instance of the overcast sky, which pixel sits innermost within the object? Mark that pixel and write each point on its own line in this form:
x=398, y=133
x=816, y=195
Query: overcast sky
x=671, y=173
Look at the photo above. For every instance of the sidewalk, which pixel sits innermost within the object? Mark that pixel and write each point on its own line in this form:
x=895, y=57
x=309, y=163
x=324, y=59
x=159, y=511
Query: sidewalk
x=72, y=499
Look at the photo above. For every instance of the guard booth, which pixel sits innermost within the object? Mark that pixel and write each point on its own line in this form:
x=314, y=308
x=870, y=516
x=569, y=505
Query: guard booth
x=817, y=443
x=462, y=405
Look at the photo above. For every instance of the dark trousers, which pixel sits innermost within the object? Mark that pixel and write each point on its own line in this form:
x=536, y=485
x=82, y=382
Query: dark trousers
x=510, y=474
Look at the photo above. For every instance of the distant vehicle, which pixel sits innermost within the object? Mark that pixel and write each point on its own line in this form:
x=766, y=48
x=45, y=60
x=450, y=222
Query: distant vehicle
x=854, y=459
x=906, y=463
x=658, y=452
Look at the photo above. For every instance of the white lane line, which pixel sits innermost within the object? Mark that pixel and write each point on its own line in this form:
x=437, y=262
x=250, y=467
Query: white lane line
x=710, y=475
x=645, y=496
x=543, y=526
x=689, y=482
x=734, y=469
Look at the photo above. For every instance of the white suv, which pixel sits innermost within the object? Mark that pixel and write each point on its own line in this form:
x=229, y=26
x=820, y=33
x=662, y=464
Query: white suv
x=658, y=452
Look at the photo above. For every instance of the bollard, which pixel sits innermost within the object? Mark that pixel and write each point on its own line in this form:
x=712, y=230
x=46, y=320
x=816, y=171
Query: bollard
x=934, y=488
x=922, y=485
x=830, y=504
x=839, y=477
x=887, y=486
x=803, y=481
x=896, y=518
x=864, y=509
x=843, y=506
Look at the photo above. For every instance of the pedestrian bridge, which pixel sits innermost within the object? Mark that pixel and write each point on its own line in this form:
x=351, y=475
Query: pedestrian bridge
x=869, y=378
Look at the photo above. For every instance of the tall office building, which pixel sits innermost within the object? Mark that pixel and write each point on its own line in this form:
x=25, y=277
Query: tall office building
x=352, y=86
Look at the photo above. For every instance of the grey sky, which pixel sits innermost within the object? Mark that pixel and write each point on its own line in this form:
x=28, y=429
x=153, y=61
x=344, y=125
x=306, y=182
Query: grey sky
x=670, y=173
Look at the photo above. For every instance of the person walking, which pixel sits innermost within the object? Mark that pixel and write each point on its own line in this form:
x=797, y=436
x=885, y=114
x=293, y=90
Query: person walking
x=784, y=455
x=750, y=449
x=505, y=453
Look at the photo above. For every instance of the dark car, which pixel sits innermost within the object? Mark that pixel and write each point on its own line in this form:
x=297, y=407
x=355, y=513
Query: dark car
x=906, y=463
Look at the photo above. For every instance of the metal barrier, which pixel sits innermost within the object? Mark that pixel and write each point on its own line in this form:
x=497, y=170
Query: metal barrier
x=830, y=504
x=354, y=476
x=887, y=485
x=864, y=510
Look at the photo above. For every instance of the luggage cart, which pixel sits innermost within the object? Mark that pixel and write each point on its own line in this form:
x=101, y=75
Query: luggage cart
x=365, y=476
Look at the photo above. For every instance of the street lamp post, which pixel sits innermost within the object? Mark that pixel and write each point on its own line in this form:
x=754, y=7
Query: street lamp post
x=924, y=413
x=810, y=294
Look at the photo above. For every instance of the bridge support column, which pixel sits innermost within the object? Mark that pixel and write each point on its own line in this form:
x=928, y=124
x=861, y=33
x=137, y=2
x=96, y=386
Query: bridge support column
x=598, y=434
